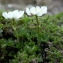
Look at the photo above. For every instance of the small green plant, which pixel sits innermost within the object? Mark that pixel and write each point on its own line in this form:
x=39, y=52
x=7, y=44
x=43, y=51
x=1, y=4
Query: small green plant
x=31, y=39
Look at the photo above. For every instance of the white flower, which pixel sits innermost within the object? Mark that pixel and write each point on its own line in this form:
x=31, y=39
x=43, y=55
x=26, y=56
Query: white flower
x=14, y=14
x=39, y=11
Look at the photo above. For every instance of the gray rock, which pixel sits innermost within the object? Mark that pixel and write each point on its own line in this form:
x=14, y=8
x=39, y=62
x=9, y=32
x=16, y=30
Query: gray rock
x=54, y=6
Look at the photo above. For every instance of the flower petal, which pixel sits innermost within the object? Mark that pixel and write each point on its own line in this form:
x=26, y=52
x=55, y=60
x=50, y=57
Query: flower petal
x=44, y=9
x=21, y=13
x=28, y=11
x=33, y=10
x=38, y=8
x=10, y=15
x=5, y=15
x=38, y=11
x=39, y=14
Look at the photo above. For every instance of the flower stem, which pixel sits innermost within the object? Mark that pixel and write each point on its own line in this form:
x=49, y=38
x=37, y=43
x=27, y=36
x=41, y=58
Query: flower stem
x=15, y=29
x=37, y=29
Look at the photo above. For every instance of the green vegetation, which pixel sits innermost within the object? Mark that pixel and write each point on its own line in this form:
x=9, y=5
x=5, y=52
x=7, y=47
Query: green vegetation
x=19, y=39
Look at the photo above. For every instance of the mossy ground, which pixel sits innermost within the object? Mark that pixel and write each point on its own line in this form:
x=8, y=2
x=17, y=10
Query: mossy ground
x=18, y=40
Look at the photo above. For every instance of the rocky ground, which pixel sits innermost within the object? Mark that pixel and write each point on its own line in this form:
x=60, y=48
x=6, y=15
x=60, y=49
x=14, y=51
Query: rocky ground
x=54, y=6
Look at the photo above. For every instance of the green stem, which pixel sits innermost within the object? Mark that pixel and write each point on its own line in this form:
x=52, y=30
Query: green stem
x=37, y=29
x=15, y=29
x=17, y=36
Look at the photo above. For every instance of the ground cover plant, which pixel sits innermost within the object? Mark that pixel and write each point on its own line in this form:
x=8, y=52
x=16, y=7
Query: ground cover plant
x=31, y=39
